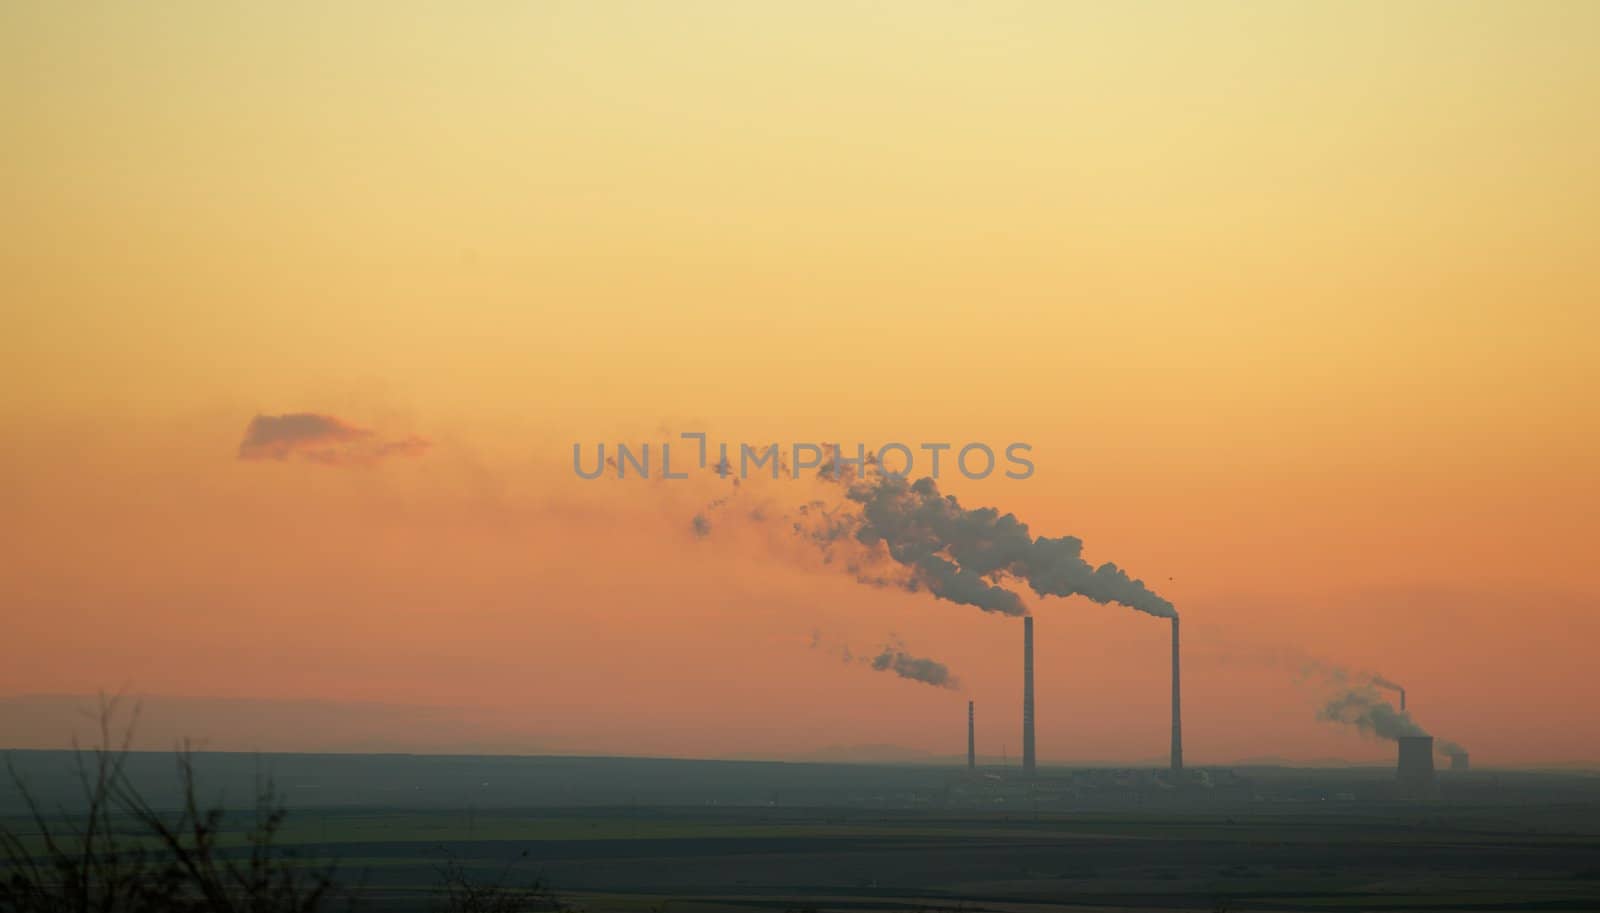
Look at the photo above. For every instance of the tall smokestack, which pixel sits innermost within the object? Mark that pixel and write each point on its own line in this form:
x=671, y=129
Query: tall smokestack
x=1177, y=706
x=1402, y=700
x=972, y=744
x=1027, y=695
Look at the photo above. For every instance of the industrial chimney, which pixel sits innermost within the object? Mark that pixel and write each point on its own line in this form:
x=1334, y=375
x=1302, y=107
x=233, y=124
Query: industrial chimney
x=1177, y=707
x=1416, y=767
x=972, y=745
x=1027, y=696
x=1402, y=700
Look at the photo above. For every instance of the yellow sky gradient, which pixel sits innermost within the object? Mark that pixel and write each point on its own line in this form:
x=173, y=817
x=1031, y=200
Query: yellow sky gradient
x=1296, y=303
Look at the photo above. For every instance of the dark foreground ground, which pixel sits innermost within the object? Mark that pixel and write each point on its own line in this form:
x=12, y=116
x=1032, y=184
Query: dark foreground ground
x=616, y=834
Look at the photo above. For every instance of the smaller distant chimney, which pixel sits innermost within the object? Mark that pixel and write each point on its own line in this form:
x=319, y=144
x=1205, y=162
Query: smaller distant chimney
x=1402, y=700
x=972, y=745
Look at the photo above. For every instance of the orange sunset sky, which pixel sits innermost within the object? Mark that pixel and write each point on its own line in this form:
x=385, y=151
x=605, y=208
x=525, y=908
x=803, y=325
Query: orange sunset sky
x=1296, y=304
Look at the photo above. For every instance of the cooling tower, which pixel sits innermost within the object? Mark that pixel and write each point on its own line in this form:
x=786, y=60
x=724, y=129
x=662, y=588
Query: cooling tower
x=1177, y=706
x=1416, y=767
x=1027, y=695
x=972, y=745
x=1458, y=761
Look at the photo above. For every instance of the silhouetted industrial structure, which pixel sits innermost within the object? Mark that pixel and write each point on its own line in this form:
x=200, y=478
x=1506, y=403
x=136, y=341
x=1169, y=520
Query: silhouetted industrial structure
x=972, y=744
x=1177, y=705
x=1027, y=696
x=1416, y=767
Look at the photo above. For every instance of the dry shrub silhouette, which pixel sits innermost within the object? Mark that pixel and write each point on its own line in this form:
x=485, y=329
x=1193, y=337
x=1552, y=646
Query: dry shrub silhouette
x=122, y=854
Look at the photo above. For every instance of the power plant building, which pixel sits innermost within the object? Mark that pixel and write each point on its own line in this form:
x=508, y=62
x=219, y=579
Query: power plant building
x=1415, y=771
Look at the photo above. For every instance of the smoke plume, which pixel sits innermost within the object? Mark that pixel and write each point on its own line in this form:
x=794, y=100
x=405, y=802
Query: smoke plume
x=1449, y=749
x=1384, y=683
x=916, y=668
x=1366, y=710
x=1362, y=706
x=963, y=555
x=893, y=657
